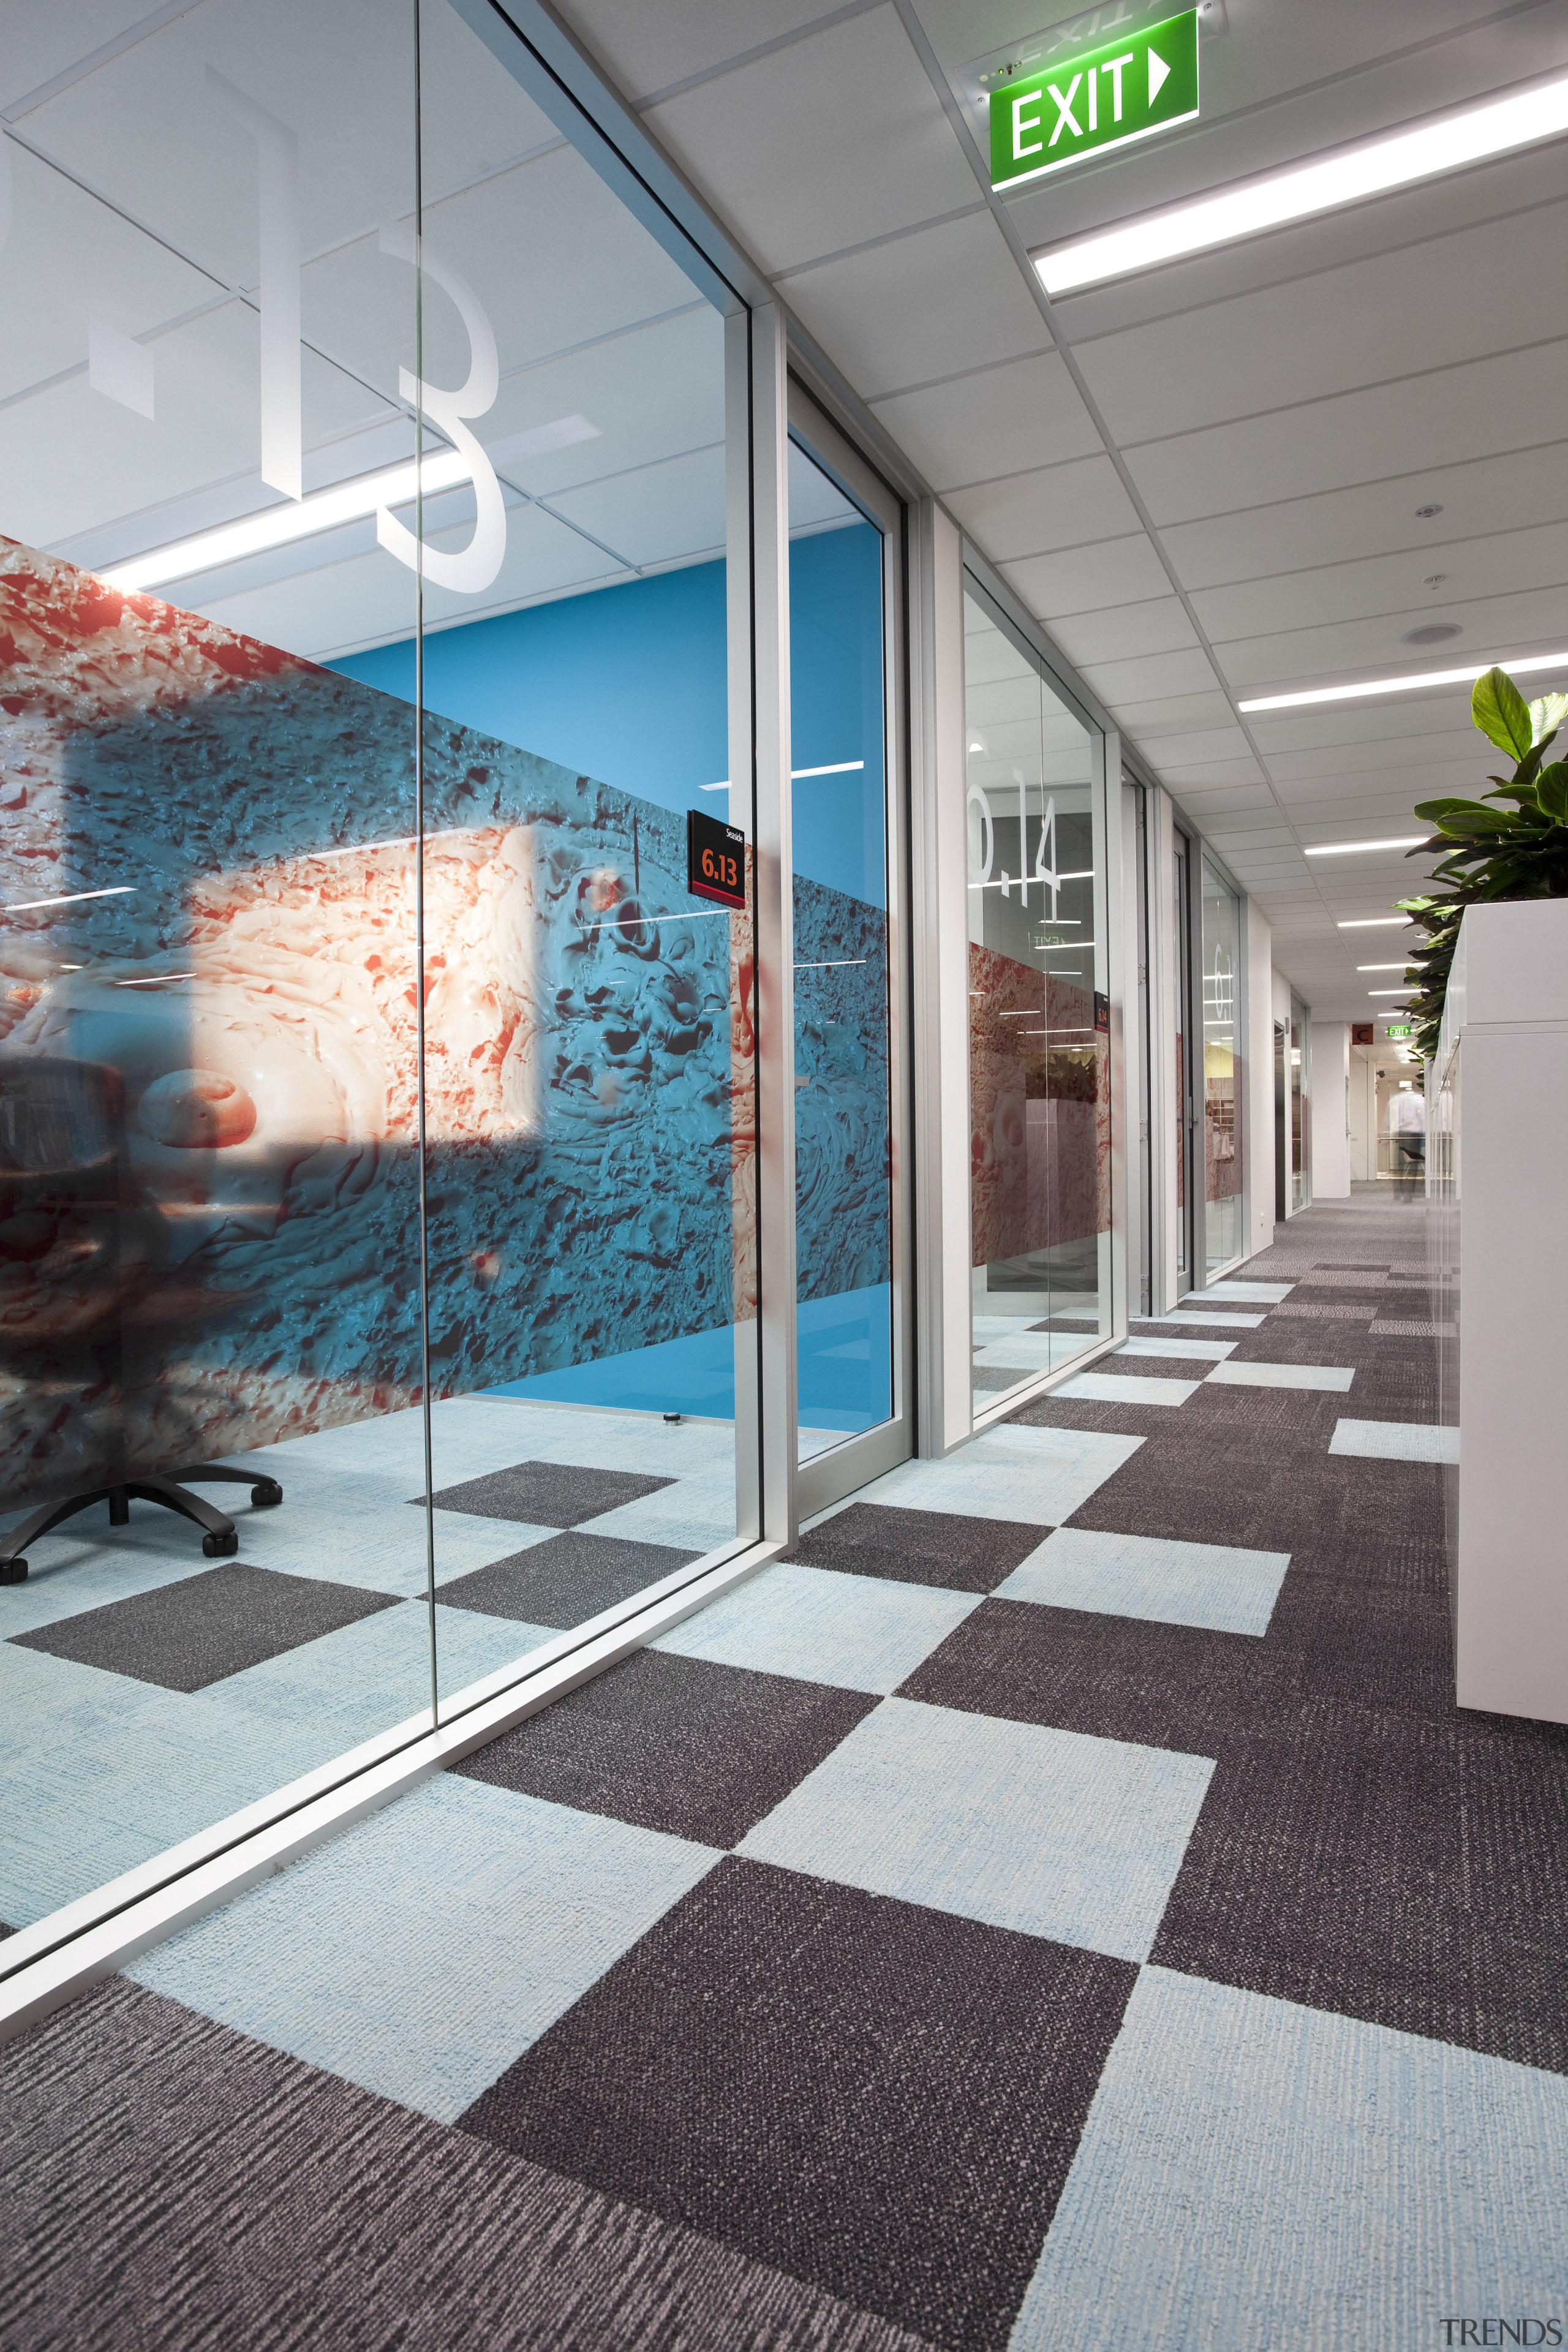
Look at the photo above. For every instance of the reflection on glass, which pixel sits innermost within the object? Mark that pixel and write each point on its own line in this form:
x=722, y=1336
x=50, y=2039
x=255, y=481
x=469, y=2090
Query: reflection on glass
x=1222, y=1047
x=843, y=1119
x=1039, y=1048
x=310, y=982
x=1300, y=1098
x=209, y=1177
x=1178, y=870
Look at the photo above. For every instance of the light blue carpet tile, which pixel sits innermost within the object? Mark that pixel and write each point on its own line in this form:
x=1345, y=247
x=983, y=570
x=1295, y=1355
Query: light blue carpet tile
x=1213, y=1321
x=1034, y=1350
x=422, y=1951
x=1200, y=1351
x=1220, y=1586
x=1048, y=1831
x=1336, y=1378
x=1013, y=1472
x=1266, y=1294
x=1258, y=2175
x=1396, y=1441
x=861, y=1632
x=1126, y=1388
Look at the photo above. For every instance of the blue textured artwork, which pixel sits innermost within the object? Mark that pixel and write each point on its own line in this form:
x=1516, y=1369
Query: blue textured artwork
x=238, y=1006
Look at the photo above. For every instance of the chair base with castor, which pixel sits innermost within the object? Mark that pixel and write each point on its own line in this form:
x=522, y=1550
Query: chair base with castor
x=219, y=1541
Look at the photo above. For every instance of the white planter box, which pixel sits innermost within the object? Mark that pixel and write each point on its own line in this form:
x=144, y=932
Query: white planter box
x=1498, y=1174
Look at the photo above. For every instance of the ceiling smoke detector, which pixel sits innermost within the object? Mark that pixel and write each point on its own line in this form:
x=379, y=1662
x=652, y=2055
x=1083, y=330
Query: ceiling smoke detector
x=1436, y=633
x=1426, y=513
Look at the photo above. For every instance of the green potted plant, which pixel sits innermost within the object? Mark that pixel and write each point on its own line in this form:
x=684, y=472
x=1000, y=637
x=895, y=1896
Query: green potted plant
x=1517, y=851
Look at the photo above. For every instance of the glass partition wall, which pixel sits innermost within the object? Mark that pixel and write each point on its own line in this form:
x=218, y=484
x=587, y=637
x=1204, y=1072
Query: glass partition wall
x=1221, y=963
x=378, y=1223
x=1039, y=1019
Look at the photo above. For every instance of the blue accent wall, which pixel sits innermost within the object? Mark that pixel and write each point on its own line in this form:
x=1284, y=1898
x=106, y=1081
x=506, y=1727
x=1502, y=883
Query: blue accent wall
x=626, y=684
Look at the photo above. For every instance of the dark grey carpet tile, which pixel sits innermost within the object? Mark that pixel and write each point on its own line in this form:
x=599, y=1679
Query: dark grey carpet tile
x=1246, y=1494
x=177, y=2188
x=1057, y=1411
x=941, y=1547
x=1329, y=1867
x=991, y=1379
x=1089, y=1324
x=876, y=2097
x=562, y=1582
x=697, y=1750
x=207, y=1627
x=1177, y=1686
x=547, y=1494
x=1322, y=1311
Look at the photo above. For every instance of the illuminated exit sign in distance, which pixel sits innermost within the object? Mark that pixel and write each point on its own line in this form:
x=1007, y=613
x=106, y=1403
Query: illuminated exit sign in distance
x=1128, y=89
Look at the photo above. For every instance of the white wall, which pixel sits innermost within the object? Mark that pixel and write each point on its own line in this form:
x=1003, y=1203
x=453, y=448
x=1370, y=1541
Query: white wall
x=1331, y=1140
x=1259, y=1082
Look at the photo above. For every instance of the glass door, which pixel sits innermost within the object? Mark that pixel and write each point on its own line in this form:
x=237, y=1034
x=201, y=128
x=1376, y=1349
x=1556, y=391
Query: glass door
x=853, y=1319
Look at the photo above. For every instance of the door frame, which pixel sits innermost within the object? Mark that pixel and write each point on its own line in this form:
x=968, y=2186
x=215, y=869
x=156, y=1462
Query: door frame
x=828, y=1478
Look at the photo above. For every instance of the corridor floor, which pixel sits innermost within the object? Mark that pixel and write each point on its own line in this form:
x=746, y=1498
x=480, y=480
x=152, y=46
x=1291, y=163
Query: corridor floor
x=1059, y=1905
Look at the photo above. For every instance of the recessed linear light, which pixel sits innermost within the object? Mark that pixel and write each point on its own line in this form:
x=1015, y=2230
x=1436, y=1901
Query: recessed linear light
x=1371, y=922
x=1348, y=177
x=71, y=899
x=1381, y=966
x=1391, y=991
x=1350, y=848
x=292, y=518
x=1405, y=685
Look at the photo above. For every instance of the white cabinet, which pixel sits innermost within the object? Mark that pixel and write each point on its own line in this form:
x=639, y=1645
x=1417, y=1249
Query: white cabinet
x=1498, y=1176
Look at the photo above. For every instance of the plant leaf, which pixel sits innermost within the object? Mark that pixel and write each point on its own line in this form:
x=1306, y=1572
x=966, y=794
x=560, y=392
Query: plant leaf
x=1547, y=716
x=1501, y=713
x=1551, y=790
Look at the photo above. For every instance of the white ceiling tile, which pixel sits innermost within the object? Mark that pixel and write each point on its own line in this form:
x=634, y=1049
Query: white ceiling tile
x=657, y=514
x=652, y=48
x=1375, y=519
x=1440, y=419
x=1173, y=673
x=1086, y=580
x=1532, y=621
x=821, y=145
x=882, y=318
x=1210, y=773
x=1069, y=504
x=1495, y=564
x=1001, y=421
x=1188, y=747
x=1158, y=625
x=1371, y=322
x=1174, y=714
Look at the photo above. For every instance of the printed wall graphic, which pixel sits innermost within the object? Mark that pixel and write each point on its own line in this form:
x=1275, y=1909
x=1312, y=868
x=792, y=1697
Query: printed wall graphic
x=208, y=966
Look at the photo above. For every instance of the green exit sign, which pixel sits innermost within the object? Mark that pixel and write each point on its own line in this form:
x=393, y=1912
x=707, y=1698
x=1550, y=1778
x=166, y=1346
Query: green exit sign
x=1399, y=1029
x=1125, y=90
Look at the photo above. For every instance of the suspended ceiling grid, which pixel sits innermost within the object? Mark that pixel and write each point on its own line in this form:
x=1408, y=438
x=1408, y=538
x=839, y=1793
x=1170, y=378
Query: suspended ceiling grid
x=1205, y=481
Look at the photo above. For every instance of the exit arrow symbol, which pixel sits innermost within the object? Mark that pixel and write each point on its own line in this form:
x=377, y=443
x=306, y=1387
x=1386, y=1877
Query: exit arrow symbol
x=1158, y=71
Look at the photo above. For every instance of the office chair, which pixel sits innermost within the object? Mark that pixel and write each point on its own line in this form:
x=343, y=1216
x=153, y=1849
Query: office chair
x=80, y=1260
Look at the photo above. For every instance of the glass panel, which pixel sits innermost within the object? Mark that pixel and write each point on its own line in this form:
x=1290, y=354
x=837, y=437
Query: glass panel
x=209, y=1180
x=1300, y=1096
x=1222, y=1047
x=1039, y=1053
x=590, y=1205
x=843, y=1114
x=1181, y=934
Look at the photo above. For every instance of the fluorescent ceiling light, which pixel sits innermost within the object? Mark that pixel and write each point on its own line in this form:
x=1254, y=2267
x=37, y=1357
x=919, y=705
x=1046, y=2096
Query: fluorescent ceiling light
x=1391, y=991
x=1406, y=685
x=1350, y=177
x=1380, y=967
x=1351, y=848
x=292, y=518
x=1371, y=922
x=71, y=899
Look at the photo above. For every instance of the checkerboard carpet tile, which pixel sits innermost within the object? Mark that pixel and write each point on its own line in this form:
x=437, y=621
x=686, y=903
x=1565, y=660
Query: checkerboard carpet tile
x=1058, y=1907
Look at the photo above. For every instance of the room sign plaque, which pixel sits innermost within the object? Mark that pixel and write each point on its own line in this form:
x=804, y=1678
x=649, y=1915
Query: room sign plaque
x=715, y=861
x=1148, y=82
